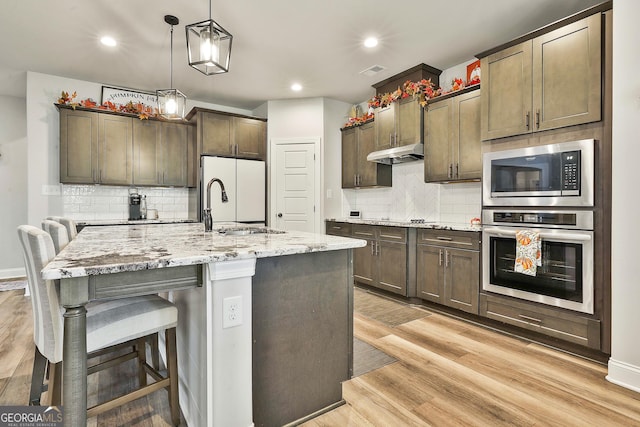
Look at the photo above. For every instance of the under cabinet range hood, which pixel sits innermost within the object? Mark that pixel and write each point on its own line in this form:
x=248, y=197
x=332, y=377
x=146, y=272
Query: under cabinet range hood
x=405, y=153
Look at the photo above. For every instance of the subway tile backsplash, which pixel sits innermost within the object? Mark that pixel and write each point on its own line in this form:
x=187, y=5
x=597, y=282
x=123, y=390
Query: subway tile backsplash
x=104, y=202
x=410, y=197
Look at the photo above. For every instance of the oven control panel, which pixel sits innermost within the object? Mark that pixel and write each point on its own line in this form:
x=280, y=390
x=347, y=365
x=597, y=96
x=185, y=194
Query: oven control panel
x=582, y=220
x=571, y=170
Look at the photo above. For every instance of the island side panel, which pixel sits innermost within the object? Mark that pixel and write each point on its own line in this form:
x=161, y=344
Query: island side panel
x=302, y=334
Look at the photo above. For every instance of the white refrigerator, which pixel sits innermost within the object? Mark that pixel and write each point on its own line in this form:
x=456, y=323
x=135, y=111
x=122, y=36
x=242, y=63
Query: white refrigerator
x=244, y=182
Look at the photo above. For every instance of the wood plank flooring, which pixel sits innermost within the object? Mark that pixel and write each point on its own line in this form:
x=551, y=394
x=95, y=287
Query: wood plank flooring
x=447, y=373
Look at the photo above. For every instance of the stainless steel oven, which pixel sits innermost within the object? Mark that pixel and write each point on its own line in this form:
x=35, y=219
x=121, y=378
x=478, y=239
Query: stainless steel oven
x=547, y=175
x=565, y=276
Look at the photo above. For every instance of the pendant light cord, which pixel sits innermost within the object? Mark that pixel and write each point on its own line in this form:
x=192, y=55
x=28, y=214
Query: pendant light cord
x=171, y=61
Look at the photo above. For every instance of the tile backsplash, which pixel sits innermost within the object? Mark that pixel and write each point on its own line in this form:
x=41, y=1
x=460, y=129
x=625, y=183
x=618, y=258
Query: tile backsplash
x=410, y=197
x=104, y=202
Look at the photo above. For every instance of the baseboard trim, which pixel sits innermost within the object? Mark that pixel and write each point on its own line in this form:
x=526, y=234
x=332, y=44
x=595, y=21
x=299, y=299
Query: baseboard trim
x=624, y=375
x=12, y=273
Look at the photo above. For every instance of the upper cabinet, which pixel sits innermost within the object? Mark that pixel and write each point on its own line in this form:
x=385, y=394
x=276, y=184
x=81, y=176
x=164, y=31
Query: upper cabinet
x=551, y=81
x=452, y=139
x=106, y=148
x=357, y=142
x=400, y=123
x=228, y=135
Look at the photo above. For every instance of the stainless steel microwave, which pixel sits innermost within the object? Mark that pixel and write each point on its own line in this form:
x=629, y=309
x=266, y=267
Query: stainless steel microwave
x=547, y=175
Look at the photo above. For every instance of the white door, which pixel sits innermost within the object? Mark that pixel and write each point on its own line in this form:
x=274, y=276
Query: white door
x=295, y=187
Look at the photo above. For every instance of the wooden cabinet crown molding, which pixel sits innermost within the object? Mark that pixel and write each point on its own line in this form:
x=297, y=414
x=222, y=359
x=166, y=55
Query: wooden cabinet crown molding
x=119, y=113
x=195, y=110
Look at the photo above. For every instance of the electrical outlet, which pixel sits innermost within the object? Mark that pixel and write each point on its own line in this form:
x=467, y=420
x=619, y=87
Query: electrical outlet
x=232, y=312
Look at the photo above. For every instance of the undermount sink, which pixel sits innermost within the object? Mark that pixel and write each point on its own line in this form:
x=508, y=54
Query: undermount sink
x=245, y=231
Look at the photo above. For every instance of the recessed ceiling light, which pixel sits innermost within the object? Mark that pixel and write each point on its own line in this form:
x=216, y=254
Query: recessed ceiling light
x=371, y=42
x=297, y=87
x=108, y=41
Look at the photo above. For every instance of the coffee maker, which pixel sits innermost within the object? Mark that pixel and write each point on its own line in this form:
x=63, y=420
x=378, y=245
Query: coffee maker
x=134, y=204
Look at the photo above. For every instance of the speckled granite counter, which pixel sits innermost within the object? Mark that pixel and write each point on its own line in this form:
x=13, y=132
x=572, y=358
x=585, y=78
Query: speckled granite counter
x=440, y=225
x=133, y=222
x=106, y=250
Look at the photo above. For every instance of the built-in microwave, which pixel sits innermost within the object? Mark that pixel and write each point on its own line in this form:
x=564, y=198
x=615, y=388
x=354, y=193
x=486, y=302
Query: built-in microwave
x=547, y=175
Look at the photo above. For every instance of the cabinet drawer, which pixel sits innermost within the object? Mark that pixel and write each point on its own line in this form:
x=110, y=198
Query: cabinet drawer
x=566, y=326
x=456, y=239
x=392, y=234
x=362, y=231
x=338, y=228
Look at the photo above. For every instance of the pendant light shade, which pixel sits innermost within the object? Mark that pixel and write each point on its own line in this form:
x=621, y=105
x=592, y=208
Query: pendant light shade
x=172, y=104
x=209, y=46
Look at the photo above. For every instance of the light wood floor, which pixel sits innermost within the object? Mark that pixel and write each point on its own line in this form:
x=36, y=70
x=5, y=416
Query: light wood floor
x=447, y=373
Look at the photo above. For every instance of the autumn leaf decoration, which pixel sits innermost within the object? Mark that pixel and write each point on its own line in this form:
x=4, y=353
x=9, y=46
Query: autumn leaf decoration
x=67, y=99
x=139, y=109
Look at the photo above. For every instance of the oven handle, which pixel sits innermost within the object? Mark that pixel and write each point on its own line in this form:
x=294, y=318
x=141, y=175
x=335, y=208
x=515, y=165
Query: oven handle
x=564, y=235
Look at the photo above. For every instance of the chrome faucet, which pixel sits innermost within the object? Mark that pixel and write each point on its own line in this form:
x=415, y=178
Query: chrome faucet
x=208, y=221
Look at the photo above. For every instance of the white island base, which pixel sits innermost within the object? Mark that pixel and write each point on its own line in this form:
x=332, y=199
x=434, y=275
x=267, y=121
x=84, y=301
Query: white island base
x=214, y=362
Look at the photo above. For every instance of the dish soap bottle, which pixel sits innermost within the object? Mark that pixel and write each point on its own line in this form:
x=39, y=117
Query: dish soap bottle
x=143, y=207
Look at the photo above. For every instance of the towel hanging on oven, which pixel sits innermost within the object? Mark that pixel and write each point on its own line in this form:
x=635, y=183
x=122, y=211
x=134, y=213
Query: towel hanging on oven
x=528, y=252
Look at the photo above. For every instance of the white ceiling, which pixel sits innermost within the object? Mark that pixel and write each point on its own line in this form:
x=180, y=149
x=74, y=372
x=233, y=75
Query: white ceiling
x=276, y=42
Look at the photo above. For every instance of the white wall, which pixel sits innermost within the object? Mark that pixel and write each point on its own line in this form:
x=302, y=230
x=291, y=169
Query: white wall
x=624, y=364
x=13, y=182
x=335, y=116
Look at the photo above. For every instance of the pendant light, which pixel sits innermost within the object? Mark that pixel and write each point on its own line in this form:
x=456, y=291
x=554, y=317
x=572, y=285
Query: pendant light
x=209, y=46
x=172, y=103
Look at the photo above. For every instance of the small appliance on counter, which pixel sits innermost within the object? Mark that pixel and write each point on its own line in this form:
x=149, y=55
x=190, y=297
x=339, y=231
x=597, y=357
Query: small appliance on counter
x=355, y=214
x=134, y=204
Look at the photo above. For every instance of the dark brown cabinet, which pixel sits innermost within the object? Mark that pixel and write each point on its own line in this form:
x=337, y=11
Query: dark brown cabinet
x=383, y=262
x=400, y=123
x=338, y=228
x=228, y=135
x=452, y=139
x=160, y=153
x=551, y=81
x=561, y=324
x=448, y=268
x=357, y=172
x=115, y=154
x=104, y=148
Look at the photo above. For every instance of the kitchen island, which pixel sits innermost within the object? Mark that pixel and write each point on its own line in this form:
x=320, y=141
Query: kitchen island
x=279, y=358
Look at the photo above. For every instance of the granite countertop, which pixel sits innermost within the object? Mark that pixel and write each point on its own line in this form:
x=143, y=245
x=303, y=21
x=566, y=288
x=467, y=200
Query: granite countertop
x=105, y=250
x=436, y=225
x=133, y=221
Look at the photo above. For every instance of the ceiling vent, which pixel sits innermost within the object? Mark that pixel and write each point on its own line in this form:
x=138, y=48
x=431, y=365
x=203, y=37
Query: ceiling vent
x=373, y=70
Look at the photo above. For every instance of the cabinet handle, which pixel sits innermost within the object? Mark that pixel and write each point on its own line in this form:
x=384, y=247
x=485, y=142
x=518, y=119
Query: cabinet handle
x=395, y=139
x=440, y=257
x=100, y=176
x=533, y=319
x=446, y=258
x=527, y=119
x=538, y=119
x=378, y=248
x=456, y=175
x=450, y=170
x=372, y=250
x=448, y=239
x=355, y=180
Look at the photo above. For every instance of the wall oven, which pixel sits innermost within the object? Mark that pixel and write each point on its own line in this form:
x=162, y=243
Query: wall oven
x=548, y=175
x=565, y=276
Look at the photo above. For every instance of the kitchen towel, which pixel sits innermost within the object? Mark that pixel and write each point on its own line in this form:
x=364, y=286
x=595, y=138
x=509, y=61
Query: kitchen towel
x=528, y=252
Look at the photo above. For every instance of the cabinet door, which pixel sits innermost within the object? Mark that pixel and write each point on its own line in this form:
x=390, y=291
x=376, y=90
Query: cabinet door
x=409, y=122
x=370, y=173
x=249, y=135
x=506, y=92
x=438, y=130
x=385, y=124
x=466, y=142
x=146, y=159
x=78, y=146
x=364, y=265
x=215, y=133
x=567, y=75
x=349, y=158
x=392, y=266
x=430, y=272
x=115, y=151
x=462, y=279
x=173, y=143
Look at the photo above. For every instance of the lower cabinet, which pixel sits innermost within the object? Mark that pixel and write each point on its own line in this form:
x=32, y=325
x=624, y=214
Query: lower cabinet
x=338, y=228
x=561, y=324
x=383, y=262
x=448, y=268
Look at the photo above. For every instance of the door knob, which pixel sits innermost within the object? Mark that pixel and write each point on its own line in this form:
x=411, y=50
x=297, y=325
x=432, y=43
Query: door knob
x=279, y=215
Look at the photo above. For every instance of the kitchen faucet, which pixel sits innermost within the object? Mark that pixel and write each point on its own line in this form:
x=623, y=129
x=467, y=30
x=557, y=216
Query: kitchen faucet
x=208, y=221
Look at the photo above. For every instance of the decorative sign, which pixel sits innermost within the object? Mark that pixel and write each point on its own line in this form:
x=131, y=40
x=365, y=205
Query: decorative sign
x=122, y=96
